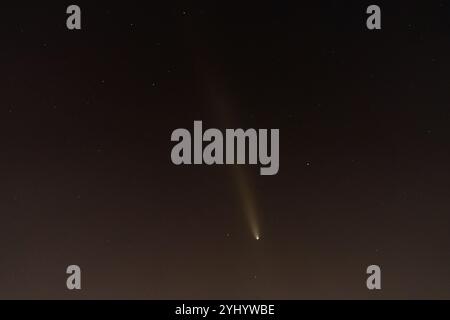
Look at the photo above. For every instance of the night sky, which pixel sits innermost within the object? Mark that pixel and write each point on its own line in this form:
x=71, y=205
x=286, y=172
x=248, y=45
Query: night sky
x=85, y=171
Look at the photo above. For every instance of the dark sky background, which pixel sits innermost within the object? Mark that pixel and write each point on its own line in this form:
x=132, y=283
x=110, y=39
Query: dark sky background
x=85, y=171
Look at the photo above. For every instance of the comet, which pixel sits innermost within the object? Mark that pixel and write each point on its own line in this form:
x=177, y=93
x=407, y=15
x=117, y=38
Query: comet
x=247, y=199
x=222, y=107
